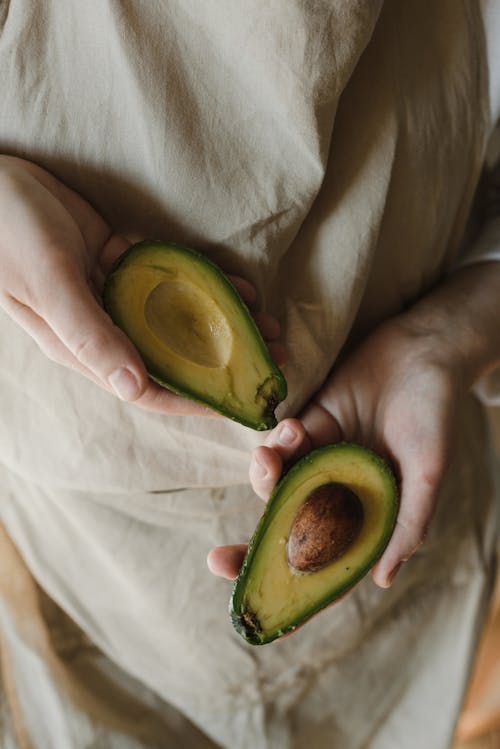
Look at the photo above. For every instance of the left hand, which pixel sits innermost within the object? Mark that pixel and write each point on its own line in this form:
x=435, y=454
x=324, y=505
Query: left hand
x=396, y=393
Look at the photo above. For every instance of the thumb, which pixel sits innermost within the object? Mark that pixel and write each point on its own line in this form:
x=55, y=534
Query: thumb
x=418, y=501
x=91, y=337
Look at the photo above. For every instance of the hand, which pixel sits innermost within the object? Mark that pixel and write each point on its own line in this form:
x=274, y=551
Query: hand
x=397, y=393
x=55, y=252
x=391, y=396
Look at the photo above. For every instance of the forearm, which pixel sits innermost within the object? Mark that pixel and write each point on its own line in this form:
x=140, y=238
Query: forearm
x=460, y=319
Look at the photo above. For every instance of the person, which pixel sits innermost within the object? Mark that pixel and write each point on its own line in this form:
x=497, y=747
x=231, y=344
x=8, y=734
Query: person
x=327, y=160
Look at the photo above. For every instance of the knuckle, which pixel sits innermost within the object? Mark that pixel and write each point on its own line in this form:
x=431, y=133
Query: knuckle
x=415, y=532
x=7, y=301
x=39, y=292
x=431, y=477
x=83, y=348
x=90, y=349
x=432, y=467
x=50, y=353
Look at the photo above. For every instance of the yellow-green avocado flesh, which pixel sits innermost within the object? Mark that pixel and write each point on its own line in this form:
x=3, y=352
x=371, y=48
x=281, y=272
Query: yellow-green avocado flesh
x=269, y=598
x=194, y=332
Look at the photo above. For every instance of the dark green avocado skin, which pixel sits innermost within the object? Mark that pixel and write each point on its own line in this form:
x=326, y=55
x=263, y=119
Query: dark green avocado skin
x=244, y=620
x=272, y=391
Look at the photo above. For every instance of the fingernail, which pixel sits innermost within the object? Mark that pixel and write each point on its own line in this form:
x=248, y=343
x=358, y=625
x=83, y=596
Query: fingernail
x=259, y=470
x=287, y=436
x=125, y=384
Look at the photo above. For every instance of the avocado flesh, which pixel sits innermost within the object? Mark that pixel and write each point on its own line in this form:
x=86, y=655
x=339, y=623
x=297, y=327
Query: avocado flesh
x=270, y=598
x=193, y=331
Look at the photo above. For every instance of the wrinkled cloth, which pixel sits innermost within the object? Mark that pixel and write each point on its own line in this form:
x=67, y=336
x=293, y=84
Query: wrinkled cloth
x=301, y=147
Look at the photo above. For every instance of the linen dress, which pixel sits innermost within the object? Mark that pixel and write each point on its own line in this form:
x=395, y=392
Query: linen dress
x=301, y=146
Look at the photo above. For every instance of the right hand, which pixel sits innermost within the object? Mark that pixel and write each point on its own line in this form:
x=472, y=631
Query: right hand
x=55, y=253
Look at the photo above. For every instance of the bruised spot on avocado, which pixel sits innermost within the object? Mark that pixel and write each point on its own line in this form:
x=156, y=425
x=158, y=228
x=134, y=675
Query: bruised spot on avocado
x=268, y=397
x=333, y=513
x=250, y=624
x=324, y=527
x=194, y=332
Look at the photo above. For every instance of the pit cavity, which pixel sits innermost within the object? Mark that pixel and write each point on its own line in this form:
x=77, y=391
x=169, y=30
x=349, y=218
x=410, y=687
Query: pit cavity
x=188, y=321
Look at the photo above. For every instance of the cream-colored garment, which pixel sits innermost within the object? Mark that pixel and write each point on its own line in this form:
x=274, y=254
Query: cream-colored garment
x=302, y=147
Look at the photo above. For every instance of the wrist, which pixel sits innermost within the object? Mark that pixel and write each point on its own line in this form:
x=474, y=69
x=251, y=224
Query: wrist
x=456, y=324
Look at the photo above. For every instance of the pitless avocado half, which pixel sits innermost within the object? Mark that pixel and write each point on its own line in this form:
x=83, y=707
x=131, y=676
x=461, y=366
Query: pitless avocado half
x=194, y=332
x=326, y=524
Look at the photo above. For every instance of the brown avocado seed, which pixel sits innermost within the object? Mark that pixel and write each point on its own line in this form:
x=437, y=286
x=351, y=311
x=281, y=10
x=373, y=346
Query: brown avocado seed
x=324, y=527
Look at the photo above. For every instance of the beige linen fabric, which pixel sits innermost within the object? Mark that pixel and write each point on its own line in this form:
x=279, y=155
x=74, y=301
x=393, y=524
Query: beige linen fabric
x=327, y=151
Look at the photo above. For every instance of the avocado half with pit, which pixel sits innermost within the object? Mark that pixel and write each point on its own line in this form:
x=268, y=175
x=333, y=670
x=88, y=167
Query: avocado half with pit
x=194, y=332
x=326, y=524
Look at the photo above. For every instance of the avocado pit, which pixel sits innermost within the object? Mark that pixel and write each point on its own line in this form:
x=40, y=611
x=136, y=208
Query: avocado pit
x=325, y=526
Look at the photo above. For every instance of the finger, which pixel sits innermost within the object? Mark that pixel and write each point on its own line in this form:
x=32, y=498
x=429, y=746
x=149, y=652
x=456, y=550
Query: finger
x=111, y=251
x=91, y=337
x=278, y=353
x=245, y=289
x=226, y=561
x=44, y=337
x=266, y=467
x=155, y=398
x=133, y=237
x=288, y=439
x=321, y=425
x=268, y=326
x=286, y=442
x=97, y=281
x=291, y=439
x=418, y=500
x=91, y=225
x=160, y=400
